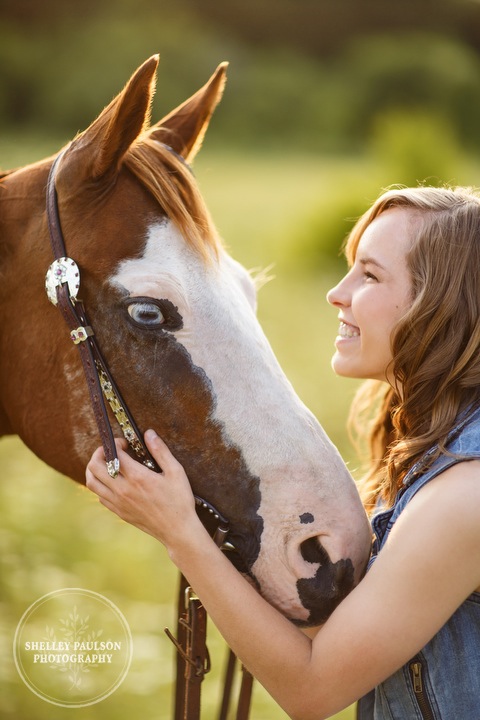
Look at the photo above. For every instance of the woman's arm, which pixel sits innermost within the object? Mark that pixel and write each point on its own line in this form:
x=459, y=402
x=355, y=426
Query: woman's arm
x=428, y=567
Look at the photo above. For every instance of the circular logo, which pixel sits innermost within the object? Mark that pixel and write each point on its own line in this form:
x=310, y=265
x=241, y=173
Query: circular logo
x=72, y=647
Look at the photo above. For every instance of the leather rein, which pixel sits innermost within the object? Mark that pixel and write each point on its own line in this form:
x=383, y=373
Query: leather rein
x=62, y=285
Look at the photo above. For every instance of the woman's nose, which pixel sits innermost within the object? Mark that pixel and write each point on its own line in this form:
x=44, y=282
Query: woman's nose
x=339, y=296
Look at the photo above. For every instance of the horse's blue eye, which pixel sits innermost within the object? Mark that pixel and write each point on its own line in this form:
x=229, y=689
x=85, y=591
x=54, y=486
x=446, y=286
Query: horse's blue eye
x=146, y=314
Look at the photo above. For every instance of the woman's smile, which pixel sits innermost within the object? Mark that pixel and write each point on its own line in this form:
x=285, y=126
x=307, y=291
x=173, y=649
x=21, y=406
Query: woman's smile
x=347, y=331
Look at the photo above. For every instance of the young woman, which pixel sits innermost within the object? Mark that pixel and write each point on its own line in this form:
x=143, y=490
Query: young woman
x=407, y=638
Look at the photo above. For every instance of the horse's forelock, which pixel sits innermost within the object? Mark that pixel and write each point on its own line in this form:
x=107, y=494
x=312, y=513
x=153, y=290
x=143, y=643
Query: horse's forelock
x=170, y=181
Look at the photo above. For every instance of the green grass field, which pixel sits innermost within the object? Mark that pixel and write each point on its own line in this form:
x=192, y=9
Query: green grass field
x=54, y=534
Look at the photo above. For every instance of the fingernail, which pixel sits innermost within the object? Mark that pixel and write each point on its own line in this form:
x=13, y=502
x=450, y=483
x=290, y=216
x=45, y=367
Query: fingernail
x=150, y=434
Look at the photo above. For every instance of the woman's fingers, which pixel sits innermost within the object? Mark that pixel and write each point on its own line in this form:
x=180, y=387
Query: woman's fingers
x=161, y=452
x=97, y=466
x=156, y=503
x=129, y=467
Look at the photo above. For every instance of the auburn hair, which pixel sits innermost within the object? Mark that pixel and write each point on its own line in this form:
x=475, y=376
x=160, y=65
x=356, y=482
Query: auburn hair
x=436, y=344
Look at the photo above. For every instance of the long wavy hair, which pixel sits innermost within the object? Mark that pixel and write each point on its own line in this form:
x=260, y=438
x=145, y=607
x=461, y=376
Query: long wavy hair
x=435, y=346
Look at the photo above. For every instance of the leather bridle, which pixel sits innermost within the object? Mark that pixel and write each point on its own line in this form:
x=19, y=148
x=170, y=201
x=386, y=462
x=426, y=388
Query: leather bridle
x=62, y=284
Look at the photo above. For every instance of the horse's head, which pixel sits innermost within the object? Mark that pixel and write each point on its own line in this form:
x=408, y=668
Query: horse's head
x=174, y=315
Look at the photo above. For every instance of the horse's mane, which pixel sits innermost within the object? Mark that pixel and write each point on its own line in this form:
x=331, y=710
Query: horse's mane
x=5, y=173
x=170, y=181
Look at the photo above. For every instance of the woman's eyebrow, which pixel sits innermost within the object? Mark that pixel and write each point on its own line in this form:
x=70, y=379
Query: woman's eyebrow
x=371, y=261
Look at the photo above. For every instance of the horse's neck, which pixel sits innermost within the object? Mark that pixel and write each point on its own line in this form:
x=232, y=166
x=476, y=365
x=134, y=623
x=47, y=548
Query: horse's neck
x=5, y=428
x=8, y=242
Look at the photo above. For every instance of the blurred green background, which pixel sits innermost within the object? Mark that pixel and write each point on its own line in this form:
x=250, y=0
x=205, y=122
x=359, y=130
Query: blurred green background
x=327, y=102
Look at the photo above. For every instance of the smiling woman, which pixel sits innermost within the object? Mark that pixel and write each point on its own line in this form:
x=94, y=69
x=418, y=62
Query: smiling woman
x=373, y=297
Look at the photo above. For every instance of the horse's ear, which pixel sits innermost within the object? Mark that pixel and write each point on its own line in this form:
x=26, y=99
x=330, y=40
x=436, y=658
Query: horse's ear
x=102, y=145
x=184, y=128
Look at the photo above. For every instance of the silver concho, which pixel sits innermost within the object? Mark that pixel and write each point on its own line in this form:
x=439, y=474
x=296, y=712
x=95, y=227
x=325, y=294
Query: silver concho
x=63, y=270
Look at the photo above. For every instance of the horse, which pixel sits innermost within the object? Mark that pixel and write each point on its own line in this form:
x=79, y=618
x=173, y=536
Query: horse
x=174, y=315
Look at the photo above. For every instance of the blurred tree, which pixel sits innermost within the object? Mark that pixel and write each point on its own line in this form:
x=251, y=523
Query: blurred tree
x=45, y=14
x=322, y=27
x=407, y=145
x=415, y=72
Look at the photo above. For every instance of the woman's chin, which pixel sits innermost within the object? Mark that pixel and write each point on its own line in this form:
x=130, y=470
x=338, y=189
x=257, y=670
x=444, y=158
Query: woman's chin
x=341, y=367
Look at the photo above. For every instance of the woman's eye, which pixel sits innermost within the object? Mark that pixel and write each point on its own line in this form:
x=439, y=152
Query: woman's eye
x=146, y=314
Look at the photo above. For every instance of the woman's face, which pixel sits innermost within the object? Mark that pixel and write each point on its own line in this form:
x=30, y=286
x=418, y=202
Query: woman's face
x=373, y=297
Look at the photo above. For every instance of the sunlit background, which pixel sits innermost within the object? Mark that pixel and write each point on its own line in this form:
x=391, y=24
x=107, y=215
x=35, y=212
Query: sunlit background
x=327, y=102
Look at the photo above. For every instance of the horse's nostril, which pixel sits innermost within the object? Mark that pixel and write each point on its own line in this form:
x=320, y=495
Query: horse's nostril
x=313, y=552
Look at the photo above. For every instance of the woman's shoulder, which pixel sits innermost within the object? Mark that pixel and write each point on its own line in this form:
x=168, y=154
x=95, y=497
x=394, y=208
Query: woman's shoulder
x=445, y=499
x=449, y=505
x=458, y=486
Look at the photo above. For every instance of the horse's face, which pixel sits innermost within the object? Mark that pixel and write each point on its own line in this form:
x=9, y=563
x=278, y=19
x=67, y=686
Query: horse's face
x=176, y=323
x=203, y=374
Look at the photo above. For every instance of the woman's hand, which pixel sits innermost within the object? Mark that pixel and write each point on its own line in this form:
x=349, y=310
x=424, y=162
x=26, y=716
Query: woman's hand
x=160, y=504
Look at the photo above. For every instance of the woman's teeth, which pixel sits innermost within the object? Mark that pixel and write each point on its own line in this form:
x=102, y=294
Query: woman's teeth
x=347, y=330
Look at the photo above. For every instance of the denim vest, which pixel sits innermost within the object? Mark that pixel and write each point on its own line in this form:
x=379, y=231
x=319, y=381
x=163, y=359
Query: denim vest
x=442, y=682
